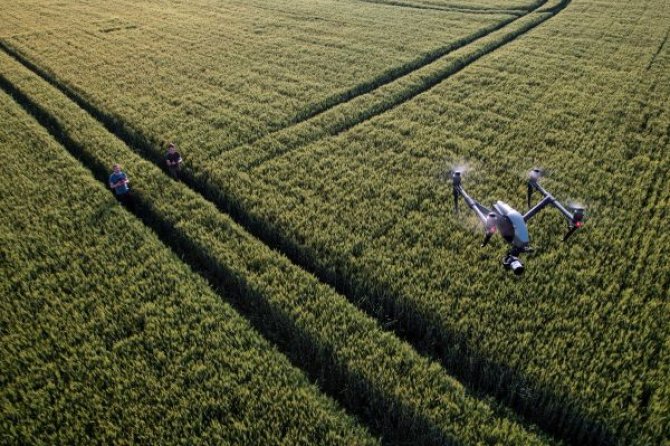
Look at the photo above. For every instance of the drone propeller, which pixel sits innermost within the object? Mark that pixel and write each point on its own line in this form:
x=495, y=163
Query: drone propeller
x=575, y=206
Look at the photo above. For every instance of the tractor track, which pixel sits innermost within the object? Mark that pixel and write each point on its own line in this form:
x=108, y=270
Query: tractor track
x=658, y=51
x=390, y=75
x=447, y=8
x=234, y=294
x=330, y=383
x=429, y=80
x=551, y=420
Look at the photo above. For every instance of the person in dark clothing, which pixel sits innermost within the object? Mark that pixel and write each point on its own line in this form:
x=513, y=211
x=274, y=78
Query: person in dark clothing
x=173, y=161
x=118, y=182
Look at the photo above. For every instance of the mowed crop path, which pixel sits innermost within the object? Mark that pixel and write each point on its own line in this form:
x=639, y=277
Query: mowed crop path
x=392, y=246
x=106, y=336
x=216, y=74
x=402, y=396
x=587, y=325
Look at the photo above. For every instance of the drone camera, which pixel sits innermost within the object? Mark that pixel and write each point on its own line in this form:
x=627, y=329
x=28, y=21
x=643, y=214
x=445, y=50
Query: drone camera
x=517, y=267
x=513, y=263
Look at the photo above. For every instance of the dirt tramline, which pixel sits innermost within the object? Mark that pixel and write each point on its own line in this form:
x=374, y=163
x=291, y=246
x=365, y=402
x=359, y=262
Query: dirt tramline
x=283, y=62
x=593, y=368
x=108, y=337
x=401, y=395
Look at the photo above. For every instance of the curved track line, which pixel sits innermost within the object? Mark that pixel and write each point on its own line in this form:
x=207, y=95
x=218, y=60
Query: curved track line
x=386, y=77
x=274, y=238
x=447, y=8
x=397, y=425
x=380, y=107
x=658, y=51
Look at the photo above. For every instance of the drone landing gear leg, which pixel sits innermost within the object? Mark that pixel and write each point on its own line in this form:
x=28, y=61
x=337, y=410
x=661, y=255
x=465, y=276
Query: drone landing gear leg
x=455, y=200
x=569, y=233
x=487, y=237
x=506, y=261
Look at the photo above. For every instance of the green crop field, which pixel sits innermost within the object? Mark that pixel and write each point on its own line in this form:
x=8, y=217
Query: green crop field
x=308, y=281
x=107, y=337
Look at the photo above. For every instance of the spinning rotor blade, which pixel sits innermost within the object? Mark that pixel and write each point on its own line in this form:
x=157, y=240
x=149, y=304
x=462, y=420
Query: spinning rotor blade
x=576, y=206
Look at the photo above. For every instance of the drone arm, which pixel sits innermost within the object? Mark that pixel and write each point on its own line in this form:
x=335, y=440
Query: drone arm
x=546, y=201
x=472, y=204
x=574, y=219
x=485, y=216
x=567, y=214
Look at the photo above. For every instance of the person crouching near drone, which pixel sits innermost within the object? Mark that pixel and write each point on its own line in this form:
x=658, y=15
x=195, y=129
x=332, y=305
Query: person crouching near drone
x=118, y=182
x=173, y=161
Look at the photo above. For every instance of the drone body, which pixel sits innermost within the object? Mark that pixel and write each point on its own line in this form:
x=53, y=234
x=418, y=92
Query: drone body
x=510, y=223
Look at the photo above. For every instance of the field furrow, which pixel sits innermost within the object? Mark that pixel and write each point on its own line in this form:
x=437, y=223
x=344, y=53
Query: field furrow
x=433, y=7
x=375, y=101
x=449, y=66
x=303, y=56
x=106, y=336
x=475, y=5
x=326, y=129
x=385, y=78
x=401, y=395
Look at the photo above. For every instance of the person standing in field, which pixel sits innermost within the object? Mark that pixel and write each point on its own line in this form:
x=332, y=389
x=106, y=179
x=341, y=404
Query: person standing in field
x=173, y=161
x=118, y=182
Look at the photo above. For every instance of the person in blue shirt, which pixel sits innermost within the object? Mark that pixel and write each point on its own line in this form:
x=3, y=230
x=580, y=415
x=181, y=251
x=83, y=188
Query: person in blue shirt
x=118, y=182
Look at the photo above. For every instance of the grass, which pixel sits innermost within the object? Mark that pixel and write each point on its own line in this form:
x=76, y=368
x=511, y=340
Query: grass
x=106, y=336
x=348, y=184
x=400, y=394
x=283, y=61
